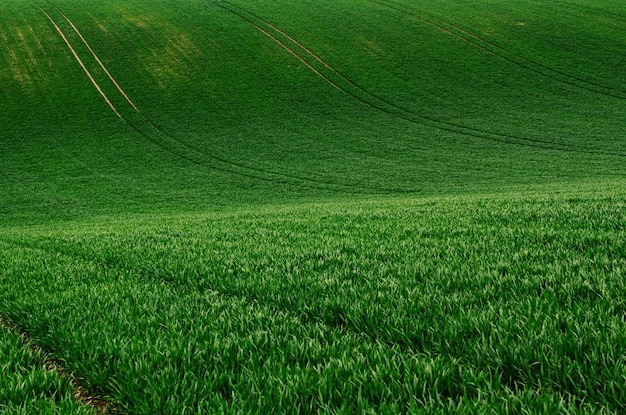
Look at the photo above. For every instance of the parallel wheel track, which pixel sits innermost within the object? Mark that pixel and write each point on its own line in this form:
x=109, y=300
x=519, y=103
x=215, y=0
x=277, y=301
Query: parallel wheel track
x=503, y=53
x=157, y=136
x=342, y=83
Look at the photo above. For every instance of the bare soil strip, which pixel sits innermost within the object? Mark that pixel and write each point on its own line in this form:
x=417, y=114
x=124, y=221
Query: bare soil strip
x=101, y=405
x=119, y=88
x=93, y=81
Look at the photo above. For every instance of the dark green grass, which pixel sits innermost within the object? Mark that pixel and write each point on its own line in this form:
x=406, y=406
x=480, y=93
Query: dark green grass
x=498, y=304
x=430, y=98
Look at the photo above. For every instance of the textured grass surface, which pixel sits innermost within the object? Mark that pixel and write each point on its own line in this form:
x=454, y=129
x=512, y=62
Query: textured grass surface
x=242, y=102
x=26, y=386
x=334, y=206
x=492, y=303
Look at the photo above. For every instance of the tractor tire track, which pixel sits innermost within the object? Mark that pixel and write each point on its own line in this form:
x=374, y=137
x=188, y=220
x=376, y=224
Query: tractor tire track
x=148, y=274
x=389, y=108
x=106, y=71
x=82, y=65
x=99, y=89
x=368, y=98
x=570, y=79
x=189, y=157
x=190, y=154
x=505, y=54
x=95, y=401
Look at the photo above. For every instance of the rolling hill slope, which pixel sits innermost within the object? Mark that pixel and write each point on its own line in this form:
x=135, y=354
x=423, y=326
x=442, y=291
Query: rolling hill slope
x=298, y=206
x=165, y=105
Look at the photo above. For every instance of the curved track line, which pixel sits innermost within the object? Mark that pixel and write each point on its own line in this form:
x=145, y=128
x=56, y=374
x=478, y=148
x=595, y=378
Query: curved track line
x=148, y=274
x=98, y=403
x=573, y=80
x=194, y=156
x=390, y=108
x=119, y=88
x=360, y=89
x=297, y=57
x=308, y=51
x=449, y=127
x=82, y=65
x=199, y=158
x=448, y=27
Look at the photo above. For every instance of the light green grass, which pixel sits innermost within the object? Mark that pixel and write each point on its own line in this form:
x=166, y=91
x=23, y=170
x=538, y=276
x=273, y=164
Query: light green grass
x=26, y=387
x=473, y=304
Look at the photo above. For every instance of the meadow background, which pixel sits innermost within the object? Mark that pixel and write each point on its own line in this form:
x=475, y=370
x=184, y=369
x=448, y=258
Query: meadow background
x=371, y=206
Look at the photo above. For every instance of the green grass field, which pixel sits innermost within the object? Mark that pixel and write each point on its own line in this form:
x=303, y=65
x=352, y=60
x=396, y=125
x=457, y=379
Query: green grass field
x=26, y=387
x=294, y=206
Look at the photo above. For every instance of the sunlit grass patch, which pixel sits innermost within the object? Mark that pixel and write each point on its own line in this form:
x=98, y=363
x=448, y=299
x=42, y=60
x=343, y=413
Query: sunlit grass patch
x=476, y=302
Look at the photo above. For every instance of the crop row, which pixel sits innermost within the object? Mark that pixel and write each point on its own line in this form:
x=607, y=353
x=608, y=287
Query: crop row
x=386, y=306
x=27, y=386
